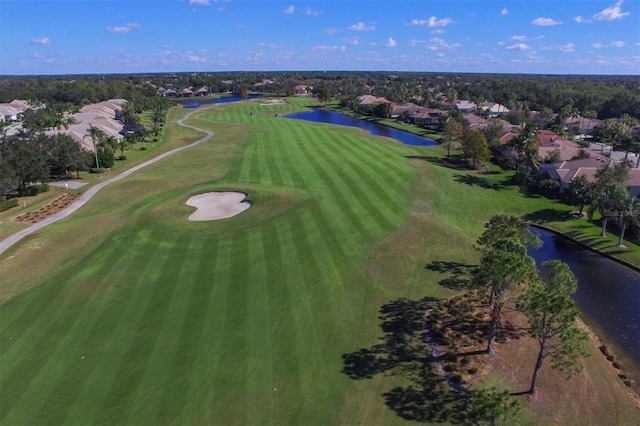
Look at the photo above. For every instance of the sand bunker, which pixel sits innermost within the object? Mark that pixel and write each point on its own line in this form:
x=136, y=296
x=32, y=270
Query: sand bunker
x=217, y=205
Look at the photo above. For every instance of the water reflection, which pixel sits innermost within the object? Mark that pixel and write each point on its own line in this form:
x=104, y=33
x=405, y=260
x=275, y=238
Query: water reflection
x=331, y=117
x=608, y=293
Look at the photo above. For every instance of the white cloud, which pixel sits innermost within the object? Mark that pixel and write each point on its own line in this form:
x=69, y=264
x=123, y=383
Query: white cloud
x=194, y=58
x=391, y=42
x=525, y=38
x=600, y=45
x=578, y=19
x=566, y=48
x=331, y=31
x=431, y=22
x=45, y=41
x=310, y=12
x=360, y=26
x=291, y=9
x=326, y=48
x=504, y=12
x=440, y=44
x=611, y=13
x=123, y=29
x=545, y=22
x=519, y=46
x=200, y=2
x=439, y=31
x=352, y=41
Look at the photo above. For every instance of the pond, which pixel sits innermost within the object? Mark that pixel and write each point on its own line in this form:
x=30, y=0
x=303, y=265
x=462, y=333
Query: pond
x=608, y=293
x=197, y=103
x=331, y=117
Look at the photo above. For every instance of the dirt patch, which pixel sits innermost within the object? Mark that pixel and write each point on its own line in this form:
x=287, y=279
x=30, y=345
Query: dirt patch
x=55, y=206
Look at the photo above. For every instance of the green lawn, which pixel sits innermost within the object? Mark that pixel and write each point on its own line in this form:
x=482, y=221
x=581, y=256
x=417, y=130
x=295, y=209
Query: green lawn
x=127, y=313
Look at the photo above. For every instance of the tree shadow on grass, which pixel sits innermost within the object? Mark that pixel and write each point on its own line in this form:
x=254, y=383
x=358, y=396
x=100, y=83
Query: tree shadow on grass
x=548, y=215
x=476, y=180
x=403, y=352
x=459, y=273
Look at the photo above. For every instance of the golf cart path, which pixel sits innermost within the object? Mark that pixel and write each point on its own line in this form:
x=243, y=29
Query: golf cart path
x=8, y=242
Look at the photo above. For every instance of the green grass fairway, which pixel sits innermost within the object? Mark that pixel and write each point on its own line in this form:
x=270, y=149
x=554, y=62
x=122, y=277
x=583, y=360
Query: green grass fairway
x=127, y=313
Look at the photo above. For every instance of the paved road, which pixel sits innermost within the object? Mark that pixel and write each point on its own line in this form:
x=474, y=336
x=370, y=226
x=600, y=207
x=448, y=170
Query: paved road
x=615, y=155
x=8, y=242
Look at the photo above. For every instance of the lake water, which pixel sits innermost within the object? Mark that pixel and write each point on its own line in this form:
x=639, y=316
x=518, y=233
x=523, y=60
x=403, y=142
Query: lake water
x=608, y=293
x=331, y=117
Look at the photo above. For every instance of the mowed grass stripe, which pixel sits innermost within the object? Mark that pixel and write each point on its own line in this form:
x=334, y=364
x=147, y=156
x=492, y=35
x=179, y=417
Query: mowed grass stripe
x=270, y=155
x=76, y=297
x=340, y=192
x=234, y=360
x=246, y=164
x=206, y=391
x=105, y=339
x=302, y=359
x=152, y=305
x=259, y=377
x=363, y=187
x=340, y=223
x=181, y=370
x=394, y=173
x=170, y=347
x=37, y=305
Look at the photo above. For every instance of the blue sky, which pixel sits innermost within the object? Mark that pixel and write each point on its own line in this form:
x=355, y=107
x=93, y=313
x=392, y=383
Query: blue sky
x=98, y=36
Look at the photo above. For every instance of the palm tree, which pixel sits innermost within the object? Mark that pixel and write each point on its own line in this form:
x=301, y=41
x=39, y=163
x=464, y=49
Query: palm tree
x=627, y=208
x=612, y=130
x=96, y=135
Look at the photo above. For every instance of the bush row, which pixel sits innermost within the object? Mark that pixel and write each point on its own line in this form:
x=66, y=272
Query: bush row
x=8, y=204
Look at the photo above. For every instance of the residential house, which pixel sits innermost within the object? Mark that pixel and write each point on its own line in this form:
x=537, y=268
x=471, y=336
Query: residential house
x=465, y=106
x=431, y=118
x=9, y=113
x=301, y=89
x=565, y=171
x=494, y=109
x=186, y=92
x=203, y=91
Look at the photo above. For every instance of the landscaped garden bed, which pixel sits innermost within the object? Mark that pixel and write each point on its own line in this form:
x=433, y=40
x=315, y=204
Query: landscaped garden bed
x=49, y=209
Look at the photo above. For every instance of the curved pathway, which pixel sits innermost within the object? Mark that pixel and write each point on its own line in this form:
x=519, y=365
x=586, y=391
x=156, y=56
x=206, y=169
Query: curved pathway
x=8, y=242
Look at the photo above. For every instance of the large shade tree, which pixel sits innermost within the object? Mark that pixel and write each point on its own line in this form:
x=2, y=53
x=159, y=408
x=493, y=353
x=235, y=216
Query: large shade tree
x=505, y=264
x=552, y=316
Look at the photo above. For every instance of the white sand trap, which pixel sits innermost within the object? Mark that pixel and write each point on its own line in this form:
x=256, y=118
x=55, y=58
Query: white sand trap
x=217, y=205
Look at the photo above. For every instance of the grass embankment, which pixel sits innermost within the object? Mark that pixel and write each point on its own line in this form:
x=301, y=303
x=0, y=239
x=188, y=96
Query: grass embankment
x=136, y=315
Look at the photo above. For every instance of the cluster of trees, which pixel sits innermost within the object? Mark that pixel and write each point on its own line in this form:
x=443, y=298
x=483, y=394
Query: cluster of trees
x=507, y=273
x=600, y=96
x=37, y=158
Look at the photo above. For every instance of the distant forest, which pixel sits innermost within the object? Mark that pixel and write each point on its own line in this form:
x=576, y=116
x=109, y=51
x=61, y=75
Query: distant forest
x=607, y=96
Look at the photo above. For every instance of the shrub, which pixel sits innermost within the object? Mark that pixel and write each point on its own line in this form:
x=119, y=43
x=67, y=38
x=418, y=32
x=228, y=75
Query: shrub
x=456, y=378
x=96, y=170
x=451, y=357
x=449, y=368
x=472, y=370
x=466, y=360
x=8, y=204
x=33, y=190
x=122, y=158
x=143, y=148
